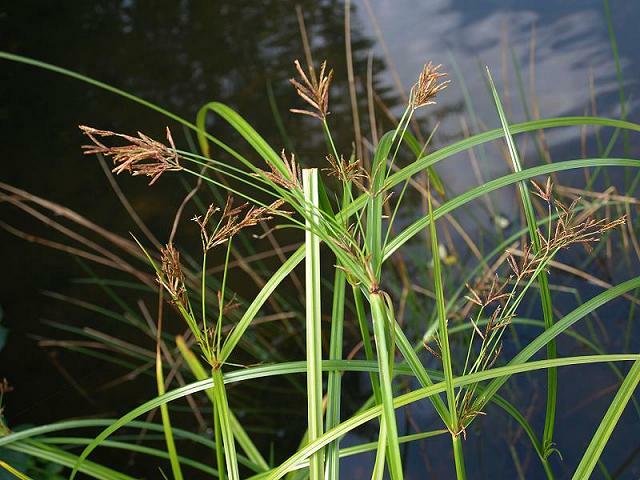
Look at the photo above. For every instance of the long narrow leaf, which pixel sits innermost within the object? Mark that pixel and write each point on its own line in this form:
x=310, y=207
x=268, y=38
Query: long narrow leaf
x=543, y=280
x=608, y=424
x=443, y=336
x=417, y=226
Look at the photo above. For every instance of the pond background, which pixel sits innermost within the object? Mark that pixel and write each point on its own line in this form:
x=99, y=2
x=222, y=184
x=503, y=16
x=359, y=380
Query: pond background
x=182, y=54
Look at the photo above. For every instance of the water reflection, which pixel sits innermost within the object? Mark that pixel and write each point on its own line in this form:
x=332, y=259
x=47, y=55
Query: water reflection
x=569, y=42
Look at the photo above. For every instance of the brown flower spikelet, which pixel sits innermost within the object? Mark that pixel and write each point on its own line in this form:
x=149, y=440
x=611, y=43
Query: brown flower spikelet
x=141, y=156
x=172, y=276
x=425, y=90
x=313, y=90
x=230, y=222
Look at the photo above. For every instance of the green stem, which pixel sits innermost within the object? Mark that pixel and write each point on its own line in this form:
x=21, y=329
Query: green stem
x=334, y=386
x=217, y=437
x=223, y=414
x=203, y=296
x=243, y=439
x=366, y=341
x=458, y=457
x=313, y=328
x=443, y=336
x=166, y=422
x=379, y=317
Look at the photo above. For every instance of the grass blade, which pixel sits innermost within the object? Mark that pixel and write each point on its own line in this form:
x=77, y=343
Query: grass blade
x=423, y=393
x=608, y=423
x=445, y=351
x=66, y=459
x=166, y=421
x=133, y=448
x=231, y=341
x=543, y=279
x=13, y=471
x=496, y=184
x=376, y=198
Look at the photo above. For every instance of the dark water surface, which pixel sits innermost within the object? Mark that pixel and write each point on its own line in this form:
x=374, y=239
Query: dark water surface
x=182, y=54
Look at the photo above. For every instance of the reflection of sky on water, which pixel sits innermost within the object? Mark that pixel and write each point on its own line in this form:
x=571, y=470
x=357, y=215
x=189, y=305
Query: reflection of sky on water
x=571, y=44
x=567, y=45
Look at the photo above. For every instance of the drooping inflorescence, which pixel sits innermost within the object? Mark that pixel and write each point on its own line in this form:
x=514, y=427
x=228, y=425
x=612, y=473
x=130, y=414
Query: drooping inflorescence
x=140, y=156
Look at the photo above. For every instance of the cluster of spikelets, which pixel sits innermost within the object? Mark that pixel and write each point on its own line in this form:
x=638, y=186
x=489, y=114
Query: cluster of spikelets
x=144, y=156
x=140, y=156
x=496, y=297
x=232, y=220
x=213, y=233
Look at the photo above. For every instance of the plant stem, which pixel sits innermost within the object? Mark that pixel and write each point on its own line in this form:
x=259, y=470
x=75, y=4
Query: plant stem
x=334, y=387
x=366, y=340
x=166, y=422
x=217, y=438
x=203, y=297
x=313, y=328
x=223, y=414
x=379, y=317
x=458, y=457
x=245, y=442
x=443, y=336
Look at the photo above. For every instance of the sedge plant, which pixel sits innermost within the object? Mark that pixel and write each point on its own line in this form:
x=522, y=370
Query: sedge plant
x=361, y=240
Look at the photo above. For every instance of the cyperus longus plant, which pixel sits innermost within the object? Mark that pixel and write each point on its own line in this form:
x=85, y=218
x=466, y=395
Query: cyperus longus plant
x=359, y=238
x=356, y=222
